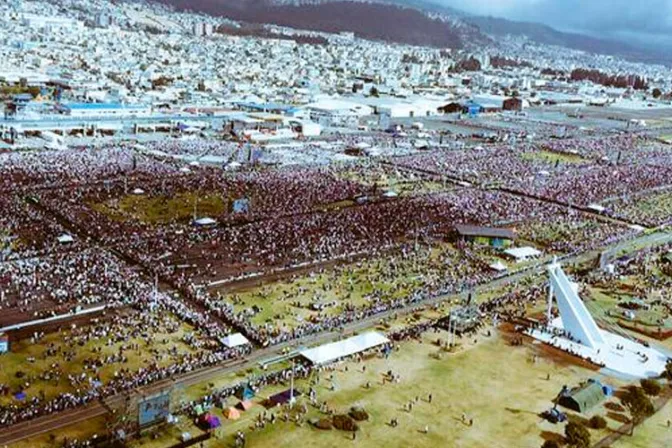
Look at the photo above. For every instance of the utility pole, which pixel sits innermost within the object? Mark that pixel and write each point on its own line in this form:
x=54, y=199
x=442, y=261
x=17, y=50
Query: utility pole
x=291, y=388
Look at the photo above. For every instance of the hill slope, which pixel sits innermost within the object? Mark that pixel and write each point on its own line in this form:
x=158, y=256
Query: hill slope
x=369, y=20
x=546, y=35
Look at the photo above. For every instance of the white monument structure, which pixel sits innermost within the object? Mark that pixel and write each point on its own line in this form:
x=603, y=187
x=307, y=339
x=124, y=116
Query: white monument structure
x=576, y=332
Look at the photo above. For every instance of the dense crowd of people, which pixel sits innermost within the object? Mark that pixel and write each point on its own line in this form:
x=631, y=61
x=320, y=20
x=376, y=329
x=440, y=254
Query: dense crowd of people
x=287, y=218
x=75, y=166
x=596, y=170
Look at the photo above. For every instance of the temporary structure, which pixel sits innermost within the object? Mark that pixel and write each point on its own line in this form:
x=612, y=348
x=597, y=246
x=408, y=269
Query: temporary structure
x=337, y=350
x=234, y=340
x=245, y=405
x=231, y=413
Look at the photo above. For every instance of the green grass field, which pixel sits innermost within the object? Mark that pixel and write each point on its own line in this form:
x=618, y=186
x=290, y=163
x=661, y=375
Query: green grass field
x=39, y=377
x=287, y=304
x=552, y=157
x=649, y=209
x=162, y=210
x=502, y=388
x=402, y=182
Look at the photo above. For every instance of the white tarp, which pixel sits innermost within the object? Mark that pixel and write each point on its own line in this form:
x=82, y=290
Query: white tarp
x=522, y=253
x=65, y=239
x=336, y=350
x=206, y=221
x=234, y=340
x=498, y=266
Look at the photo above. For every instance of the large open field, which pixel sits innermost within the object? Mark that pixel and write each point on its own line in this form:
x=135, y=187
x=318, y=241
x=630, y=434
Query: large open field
x=502, y=388
x=332, y=291
x=80, y=357
x=162, y=210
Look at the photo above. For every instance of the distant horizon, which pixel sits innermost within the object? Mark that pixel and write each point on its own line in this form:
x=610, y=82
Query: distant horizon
x=645, y=24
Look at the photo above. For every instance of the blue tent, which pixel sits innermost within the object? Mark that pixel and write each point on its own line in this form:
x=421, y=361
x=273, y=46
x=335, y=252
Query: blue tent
x=245, y=393
x=473, y=109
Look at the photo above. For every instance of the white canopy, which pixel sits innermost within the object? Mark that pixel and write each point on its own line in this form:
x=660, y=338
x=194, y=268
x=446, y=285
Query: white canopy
x=138, y=191
x=522, y=253
x=65, y=238
x=596, y=207
x=204, y=221
x=234, y=340
x=337, y=350
x=498, y=266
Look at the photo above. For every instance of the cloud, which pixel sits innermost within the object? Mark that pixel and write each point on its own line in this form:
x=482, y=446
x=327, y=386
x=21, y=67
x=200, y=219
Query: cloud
x=637, y=19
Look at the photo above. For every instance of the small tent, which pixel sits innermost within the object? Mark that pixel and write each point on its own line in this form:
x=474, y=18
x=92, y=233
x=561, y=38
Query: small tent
x=204, y=222
x=231, y=413
x=245, y=394
x=245, y=405
x=234, y=340
x=65, y=239
x=280, y=398
x=211, y=421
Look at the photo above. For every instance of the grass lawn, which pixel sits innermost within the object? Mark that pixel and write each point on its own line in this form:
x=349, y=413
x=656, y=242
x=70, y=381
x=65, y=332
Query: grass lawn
x=386, y=178
x=649, y=209
x=329, y=292
x=80, y=431
x=552, y=157
x=502, y=388
x=162, y=210
x=654, y=432
x=40, y=370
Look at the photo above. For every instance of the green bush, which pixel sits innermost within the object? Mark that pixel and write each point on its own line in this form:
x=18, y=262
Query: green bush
x=597, y=422
x=577, y=436
x=344, y=423
x=550, y=444
x=651, y=387
x=359, y=414
x=324, y=423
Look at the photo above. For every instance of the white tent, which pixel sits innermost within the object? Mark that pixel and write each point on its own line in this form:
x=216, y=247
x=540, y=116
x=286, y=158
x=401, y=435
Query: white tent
x=522, y=253
x=337, y=350
x=596, y=207
x=498, y=266
x=204, y=222
x=138, y=191
x=234, y=340
x=65, y=239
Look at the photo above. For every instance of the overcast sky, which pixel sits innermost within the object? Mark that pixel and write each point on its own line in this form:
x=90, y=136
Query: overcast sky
x=643, y=20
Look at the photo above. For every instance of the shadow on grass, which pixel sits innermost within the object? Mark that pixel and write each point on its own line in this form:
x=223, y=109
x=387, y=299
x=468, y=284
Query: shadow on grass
x=548, y=435
x=520, y=411
x=618, y=417
x=614, y=407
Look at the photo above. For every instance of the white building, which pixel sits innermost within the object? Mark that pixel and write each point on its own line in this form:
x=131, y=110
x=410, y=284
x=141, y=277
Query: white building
x=93, y=110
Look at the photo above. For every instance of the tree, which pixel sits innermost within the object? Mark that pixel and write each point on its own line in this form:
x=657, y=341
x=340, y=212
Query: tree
x=656, y=93
x=374, y=92
x=668, y=370
x=651, y=387
x=577, y=436
x=597, y=422
x=550, y=444
x=639, y=406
